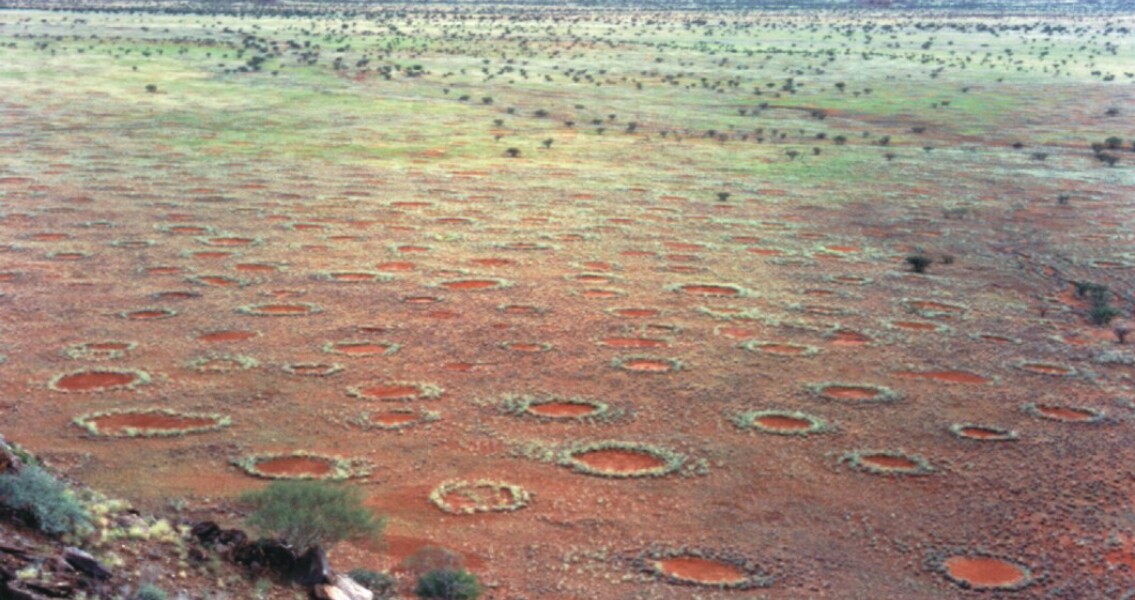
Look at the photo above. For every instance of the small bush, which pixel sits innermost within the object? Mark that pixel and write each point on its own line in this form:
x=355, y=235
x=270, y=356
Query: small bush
x=919, y=263
x=46, y=501
x=306, y=513
x=381, y=584
x=448, y=584
x=1103, y=314
x=149, y=591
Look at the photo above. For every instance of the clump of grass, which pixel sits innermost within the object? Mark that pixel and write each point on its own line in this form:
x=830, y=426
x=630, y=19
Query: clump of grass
x=347, y=277
x=1064, y=414
x=46, y=502
x=309, y=513
x=448, y=584
x=260, y=310
x=423, y=391
x=483, y=495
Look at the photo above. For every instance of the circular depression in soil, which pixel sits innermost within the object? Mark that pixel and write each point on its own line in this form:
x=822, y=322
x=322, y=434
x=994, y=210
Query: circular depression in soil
x=271, y=309
x=986, y=573
x=149, y=314
x=98, y=380
x=887, y=462
x=1066, y=414
x=702, y=568
x=555, y=408
x=469, y=497
x=779, y=348
x=854, y=392
x=149, y=423
x=361, y=348
x=101, y=350
x=710, y=289
x=474, y=284
x=395, y=391
x=312, y=369
x=301, y=465
x=621, y=460
x=983, y=433
x=651, y=365
x=781, y=422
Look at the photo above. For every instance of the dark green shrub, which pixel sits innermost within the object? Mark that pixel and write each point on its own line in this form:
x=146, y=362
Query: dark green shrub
x=448, y=584
x=44, y=500
x=381, y=584
x=1102, y=314
x=149, y=591
x=919, y=263
x=306, y=513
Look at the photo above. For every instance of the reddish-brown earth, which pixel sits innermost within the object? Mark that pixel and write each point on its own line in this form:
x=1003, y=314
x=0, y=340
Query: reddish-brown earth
x=619, y=461
x=701, y=570
x=983, y=572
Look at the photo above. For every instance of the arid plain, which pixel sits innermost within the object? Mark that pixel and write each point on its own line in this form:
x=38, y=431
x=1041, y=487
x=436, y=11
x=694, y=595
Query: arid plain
x=633, y=287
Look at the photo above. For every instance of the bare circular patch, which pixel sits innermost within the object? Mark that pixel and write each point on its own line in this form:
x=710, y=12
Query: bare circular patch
x=647, y=364
x=983, y=433
x=395, y=391
x=982, y=572
x=887, y=462
x=621, y=459
x=302, y=465
x=1063, y=413
x=280, y=309
x=100, y=350
x=779, y=348
x=98, y=380
x=149, y=314
x=151, y=422
x=856, y=393
x=312, y=369
x=361, y=348
x=781, y=422
x=460, y=497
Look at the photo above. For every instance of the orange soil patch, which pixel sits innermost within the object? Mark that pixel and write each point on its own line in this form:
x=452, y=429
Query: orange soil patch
x=471, y=284
x=164, y=270
x=520, y=309
x=637, y=313
x=562, y=409
x=977, y=432
x=118, y=423
x=600, y=294
x=389, y=392
x=227, y=335
x=396, y=266
x=848, y=392
x=847, y=337
x=89, y=381
x=701, y=570
x=619, y=461
x=710, y=290
x=1046, y=369
x=627, y=342
x=783, y=423
x=391, y=419
x=146, y=315
x=648, y=365
x=294, y=466
x=1065, y=413
x=944, y=376
x=983, y=572
x=887, y=462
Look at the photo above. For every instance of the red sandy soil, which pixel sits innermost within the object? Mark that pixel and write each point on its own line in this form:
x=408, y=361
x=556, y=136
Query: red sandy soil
x=984, y=572
x=619, y=461
x=116, y=423
x=701, y=570
x=783, y=423
x=87, y=381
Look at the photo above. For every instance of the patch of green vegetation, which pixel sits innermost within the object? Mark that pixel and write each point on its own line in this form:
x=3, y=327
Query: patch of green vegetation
x=46, y=502
x=309, y=513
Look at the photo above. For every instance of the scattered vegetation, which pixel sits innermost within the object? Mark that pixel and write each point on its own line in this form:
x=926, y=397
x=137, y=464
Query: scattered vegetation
x=44, y=501
x=448, y=584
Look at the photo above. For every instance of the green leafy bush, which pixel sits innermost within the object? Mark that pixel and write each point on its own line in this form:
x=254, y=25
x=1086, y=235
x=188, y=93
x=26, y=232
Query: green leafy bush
x=448, y=584
x=45, y=500
x=149, y=591
x=306, y=513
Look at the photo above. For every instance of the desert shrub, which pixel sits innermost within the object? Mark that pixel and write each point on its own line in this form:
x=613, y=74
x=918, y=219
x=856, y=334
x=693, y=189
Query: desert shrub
x=1102, y=314
x=46, y=501
x=306, y=513
x=149, y=591
x=919, y=263
x=448, y=584
x=381, y=584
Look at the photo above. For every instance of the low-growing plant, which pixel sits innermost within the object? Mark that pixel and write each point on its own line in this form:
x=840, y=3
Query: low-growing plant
x=149, y=591
x=919, y=263
x=448, y=584
x=45, y=501
x=307, y=513
x=381, y=584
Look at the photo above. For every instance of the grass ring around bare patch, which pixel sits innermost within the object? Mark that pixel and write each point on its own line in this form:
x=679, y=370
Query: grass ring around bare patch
x=223, y=363
x=218, y=281
x=887, y=462
x=651, y=365
x=280, y=309
x=460, y=497
x=703, y=568
x=1063, y=413
x=228, y=241
x=983, y=433
x=128, y=244
x=149, y=422
x=302, y=464
x=98, y=380
x=713, y=290
x=781, y=422
x=394, y=419
x=525, y=347
x=474, y=284
x=983, y=572
x=100, y=350
x=361, y=348
x=1043, y=368
x=551, y=408
x=395, y=391
x=68, y=255
x=353, y=277
x=855, y=393
x=312, y=369
x=620, y=460
x=521, y=310
x=148, y=314
x=781, y=349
